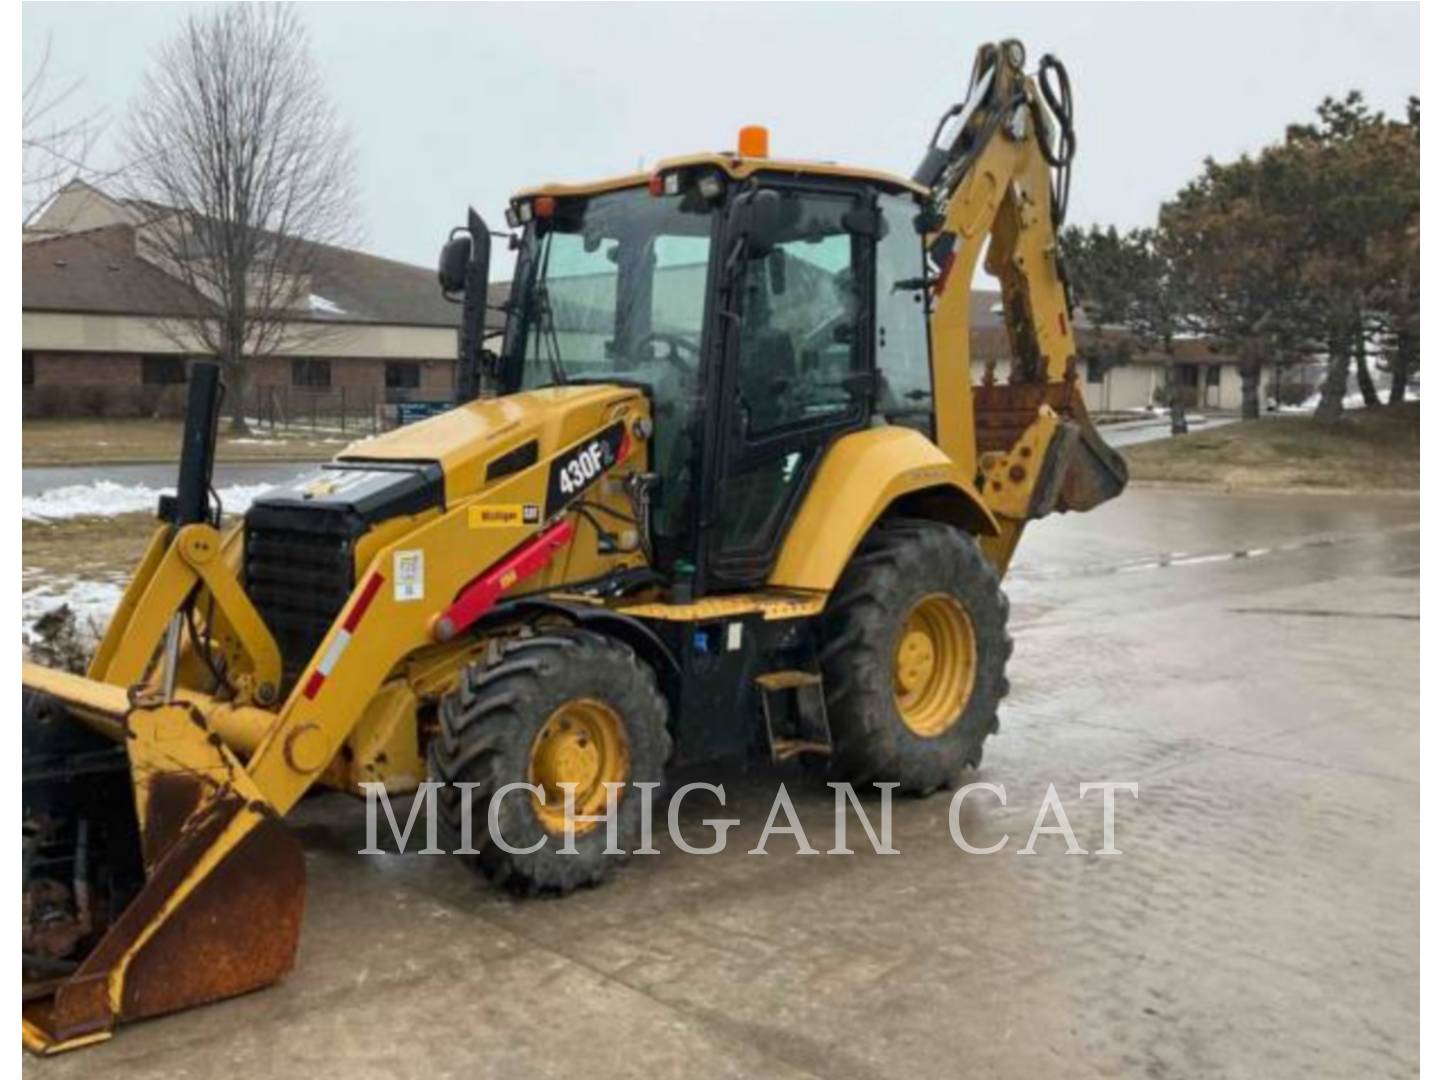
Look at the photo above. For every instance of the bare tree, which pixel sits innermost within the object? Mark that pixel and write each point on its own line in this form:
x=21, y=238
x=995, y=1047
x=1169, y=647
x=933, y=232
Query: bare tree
x=241, y=167
x=54, y=144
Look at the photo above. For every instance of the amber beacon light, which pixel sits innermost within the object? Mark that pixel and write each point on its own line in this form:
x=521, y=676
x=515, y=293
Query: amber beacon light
x=754, y=141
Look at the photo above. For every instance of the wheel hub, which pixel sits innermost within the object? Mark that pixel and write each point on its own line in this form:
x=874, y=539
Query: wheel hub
x=934, y=665
x=582, y=743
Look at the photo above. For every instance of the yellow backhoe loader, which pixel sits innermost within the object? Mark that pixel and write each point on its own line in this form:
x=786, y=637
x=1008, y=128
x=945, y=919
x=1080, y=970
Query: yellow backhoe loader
x=726, y=486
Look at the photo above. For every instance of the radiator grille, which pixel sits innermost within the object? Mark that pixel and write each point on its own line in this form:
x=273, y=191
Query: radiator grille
x=298, y=581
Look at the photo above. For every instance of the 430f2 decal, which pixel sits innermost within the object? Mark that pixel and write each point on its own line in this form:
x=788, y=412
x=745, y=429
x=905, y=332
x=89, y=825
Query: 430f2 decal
x=580, y=466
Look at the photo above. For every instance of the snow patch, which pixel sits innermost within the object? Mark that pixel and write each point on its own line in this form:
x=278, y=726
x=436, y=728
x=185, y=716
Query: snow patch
x=328, y=307
x=1353, y=400
x=105, y=498
x=93, y=603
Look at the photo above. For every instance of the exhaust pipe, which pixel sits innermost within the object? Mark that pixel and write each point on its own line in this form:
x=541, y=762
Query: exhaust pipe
x=190, y=504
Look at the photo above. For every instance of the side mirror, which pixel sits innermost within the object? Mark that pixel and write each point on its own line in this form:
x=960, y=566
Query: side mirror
x=765, y=221
x=454, y=261
x=760, y=219
x=465, y=276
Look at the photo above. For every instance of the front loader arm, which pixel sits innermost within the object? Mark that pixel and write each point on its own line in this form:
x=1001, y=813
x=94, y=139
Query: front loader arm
x=211, y=777
x=178, y=564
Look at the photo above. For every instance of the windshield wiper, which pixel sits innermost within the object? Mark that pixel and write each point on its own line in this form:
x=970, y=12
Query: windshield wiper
x=546, y=313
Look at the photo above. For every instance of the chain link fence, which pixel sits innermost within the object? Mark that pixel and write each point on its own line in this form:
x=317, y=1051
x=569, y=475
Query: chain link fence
x=344, y=410
x=339, y=410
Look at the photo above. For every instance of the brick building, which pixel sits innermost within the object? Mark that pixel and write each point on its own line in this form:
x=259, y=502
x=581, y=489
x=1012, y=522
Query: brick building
x=1208, y=378
x=101, y=322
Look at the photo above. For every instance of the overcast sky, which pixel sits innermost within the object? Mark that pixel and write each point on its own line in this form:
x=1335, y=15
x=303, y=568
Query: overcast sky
x=464, y=104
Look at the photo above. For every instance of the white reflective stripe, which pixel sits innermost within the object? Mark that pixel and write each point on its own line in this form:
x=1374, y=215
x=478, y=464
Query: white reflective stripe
x=332, y=654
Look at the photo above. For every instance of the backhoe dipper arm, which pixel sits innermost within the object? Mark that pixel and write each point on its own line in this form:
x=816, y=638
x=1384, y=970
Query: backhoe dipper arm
x=990, y=180
x=998, y=171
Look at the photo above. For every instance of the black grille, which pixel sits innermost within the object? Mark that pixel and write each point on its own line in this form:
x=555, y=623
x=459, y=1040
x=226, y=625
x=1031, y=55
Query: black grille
x=300, y=544
x=298, y=581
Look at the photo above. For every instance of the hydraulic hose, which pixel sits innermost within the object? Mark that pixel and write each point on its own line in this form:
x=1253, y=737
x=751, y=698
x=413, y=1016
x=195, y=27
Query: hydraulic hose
x=1054, y=82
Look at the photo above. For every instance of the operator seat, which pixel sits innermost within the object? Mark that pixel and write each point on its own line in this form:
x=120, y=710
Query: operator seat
x=768, y=370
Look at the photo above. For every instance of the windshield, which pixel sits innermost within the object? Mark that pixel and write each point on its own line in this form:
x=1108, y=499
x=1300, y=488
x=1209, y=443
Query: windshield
x=618, y=290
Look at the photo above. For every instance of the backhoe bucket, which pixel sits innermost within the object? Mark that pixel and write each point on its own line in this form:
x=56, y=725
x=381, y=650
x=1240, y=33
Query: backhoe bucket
x=155, y=876
x=1083, y=470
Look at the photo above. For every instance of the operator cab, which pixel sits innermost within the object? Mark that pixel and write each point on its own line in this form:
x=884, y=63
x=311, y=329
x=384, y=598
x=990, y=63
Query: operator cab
x=766, y=308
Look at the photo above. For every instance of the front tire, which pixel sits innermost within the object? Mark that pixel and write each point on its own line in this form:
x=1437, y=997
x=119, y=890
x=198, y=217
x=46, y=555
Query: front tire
x=561, y=706
x=913, y=656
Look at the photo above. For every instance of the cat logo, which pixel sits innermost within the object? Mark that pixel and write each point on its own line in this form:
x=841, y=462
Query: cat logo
x=506, y=515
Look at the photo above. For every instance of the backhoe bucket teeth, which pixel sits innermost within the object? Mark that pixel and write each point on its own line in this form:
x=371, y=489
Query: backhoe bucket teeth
x=204, y=903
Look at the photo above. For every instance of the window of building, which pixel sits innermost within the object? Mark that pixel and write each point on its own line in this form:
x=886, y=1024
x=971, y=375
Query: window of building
x=162, y=370
x=1094, y=370
x=1212, y=375
x=27, y=368
x=314, y=374
x=402, y=375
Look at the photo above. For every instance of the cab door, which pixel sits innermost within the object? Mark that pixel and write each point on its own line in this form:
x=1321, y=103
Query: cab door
x=797, y=373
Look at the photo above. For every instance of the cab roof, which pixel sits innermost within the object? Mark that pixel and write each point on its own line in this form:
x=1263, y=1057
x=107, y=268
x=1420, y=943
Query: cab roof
x=733, y=165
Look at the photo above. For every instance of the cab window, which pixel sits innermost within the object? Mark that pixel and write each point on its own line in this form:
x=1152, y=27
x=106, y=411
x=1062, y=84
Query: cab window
x=902, y=342
x=799, y=338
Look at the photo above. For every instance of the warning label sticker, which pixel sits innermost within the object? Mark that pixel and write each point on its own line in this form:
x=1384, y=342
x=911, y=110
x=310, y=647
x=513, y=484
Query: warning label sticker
x=409, y=576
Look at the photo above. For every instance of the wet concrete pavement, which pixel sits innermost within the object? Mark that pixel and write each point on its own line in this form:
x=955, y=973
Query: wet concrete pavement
x=1262, y=920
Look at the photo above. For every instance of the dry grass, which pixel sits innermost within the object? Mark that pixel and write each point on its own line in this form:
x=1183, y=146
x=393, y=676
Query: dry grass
x=84, y=548
x=93, y=442
x=1369, y=450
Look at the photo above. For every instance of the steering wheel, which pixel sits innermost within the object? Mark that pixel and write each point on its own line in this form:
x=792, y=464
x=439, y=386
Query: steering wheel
x=677, y=343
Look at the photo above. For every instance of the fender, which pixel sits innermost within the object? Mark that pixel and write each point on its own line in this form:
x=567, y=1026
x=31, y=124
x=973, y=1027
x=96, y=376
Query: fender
x=630, y=630
x=863, y=476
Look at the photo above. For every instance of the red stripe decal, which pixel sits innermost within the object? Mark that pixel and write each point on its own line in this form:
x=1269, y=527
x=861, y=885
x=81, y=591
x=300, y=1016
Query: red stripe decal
x=366, y=595
x=313, y=684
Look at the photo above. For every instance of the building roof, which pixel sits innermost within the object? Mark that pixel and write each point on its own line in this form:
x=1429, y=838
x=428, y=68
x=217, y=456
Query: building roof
x=81, y=255
x=97, y=271
x=351, y=286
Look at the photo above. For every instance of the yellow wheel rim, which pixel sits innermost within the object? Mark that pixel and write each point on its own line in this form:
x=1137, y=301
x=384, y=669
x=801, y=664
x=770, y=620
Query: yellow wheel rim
x=934, y=671
x=582, y=743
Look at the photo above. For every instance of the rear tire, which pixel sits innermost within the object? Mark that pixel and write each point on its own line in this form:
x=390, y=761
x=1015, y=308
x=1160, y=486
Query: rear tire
x=565, y=704
x=913, y=656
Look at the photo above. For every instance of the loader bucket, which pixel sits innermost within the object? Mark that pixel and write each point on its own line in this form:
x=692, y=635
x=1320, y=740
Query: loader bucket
x=155, y=876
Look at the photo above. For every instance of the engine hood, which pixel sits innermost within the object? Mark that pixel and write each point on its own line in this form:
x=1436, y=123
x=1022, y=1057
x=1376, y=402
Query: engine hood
x=486, y=440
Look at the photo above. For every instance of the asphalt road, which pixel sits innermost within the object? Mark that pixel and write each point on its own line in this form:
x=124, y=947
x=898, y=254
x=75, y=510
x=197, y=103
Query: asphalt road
x=1153, y=428
x=1262, y=919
